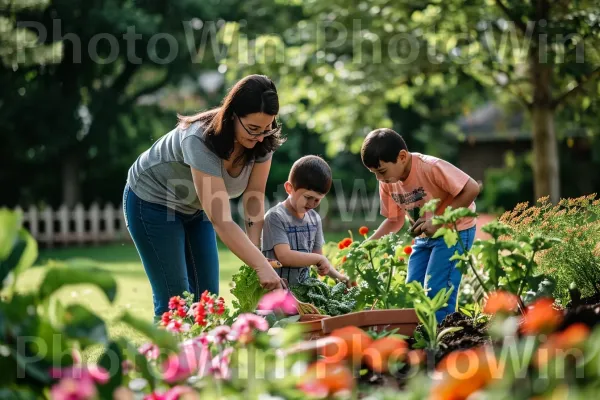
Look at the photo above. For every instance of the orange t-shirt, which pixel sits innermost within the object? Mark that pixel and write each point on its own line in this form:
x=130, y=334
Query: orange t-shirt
x=429, y=178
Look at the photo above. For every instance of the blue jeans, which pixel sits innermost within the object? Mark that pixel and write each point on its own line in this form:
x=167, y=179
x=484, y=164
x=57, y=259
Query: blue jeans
x=431, y=258
x=178, y=251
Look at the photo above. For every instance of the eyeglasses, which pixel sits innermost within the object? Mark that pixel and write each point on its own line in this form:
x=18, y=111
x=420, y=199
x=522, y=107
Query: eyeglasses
x=263, y=133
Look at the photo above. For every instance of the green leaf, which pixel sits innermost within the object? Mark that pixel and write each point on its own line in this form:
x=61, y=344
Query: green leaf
x=58, y=277
x=23, y=255
x=32, y=369
x=85, y=326
x=51, y=343
x=160, y=337
x=450, y=237
x=10, y=224
x=112, y=361
x=17, y=394
x=447, y=331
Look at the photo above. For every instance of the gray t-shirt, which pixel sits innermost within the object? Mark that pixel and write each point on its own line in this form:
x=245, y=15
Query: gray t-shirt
x=162, y=173
x=305, y=235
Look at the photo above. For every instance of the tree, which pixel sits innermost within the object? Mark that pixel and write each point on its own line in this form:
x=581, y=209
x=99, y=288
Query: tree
x=104, y=57
x=345, y=62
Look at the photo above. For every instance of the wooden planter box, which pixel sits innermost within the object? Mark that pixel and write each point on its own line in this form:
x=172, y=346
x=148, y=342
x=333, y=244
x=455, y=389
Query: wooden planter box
x=405, y=320
x=312, y=325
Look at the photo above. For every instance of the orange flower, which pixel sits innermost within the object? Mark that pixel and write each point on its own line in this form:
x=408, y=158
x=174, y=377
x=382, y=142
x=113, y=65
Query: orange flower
x=416, y=357
x=501, y=301
x=363, y=230
x=342, y=244
x=346, y=343
x=465, y=372
x=541, y=317
x=408, y=250
x=570, y=338
x=344, y=259
x=323, y=379
x=382, y=352
x=401, y=259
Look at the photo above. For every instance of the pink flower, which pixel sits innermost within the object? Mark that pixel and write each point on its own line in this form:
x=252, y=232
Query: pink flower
x=220, y=364
x=220, y=334
x=73, y=389
x=181, y=392
x=91, y=372
x=155, y=396
x=192, y=358
x=192, y=311
x=177, y=327
x=279, y=301
x=150, y=350
x=245, y=324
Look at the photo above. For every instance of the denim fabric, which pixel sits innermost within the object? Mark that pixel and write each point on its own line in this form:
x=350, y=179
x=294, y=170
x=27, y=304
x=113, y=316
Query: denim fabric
x=431, y=258
x=178, y=251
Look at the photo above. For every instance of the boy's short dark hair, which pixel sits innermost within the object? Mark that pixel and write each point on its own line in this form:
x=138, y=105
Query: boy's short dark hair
x=381, y=145
x=311, y=173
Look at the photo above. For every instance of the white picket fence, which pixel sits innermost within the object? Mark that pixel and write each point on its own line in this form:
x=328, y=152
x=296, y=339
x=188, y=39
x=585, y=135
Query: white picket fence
x=75, y=226
x=96, y=224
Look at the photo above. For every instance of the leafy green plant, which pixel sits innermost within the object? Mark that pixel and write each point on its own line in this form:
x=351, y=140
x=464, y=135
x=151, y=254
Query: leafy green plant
x=475, y=312
x=508, y=260
x=247, y=290
x=331, y=300
x=426, y=307
x=574, y=260
x=379, y=266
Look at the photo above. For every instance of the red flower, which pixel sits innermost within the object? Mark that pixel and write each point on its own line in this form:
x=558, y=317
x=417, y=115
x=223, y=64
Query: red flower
x=344, y=259
x=541, y=317
x=400, y=258
x=166, y=318
x=175, y=302
x=205, y=297
x=500, y=301
x=220, y=306
x=181, y=312
x=407, y=250
x=347, y=242
x=363, y=230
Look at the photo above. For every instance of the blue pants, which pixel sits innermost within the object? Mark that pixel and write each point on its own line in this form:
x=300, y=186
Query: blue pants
x=431, y=258
x=178, y=251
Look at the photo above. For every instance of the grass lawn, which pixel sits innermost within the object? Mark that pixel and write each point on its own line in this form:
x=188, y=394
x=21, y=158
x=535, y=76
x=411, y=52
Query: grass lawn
x=134, y=294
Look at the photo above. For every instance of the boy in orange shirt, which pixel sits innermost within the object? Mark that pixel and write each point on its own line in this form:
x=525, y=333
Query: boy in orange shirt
x=406, y=182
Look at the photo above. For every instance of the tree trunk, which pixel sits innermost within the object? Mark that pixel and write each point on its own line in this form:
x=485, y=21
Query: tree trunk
x=70, y=181
x=545, y=147
x=545, y=154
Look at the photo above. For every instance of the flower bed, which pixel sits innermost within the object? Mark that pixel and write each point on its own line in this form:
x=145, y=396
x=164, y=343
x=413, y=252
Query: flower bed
x=517, y=343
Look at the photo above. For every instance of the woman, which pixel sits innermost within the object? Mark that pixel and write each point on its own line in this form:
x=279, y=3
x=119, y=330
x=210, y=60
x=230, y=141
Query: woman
x=177, y=193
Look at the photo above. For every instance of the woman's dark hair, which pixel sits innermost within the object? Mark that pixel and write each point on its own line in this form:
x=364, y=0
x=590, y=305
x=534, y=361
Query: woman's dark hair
x=381, y=145
x=311, y=173
x=252, y=94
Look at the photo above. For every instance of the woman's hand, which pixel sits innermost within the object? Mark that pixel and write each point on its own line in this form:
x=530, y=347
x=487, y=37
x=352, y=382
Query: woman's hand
x=268, y=278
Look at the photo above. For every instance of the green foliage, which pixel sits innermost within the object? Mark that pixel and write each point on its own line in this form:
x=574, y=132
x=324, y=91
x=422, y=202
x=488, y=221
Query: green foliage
x=426, y=307
x=576, y=258
x=58, y=277
x=246, y=289
x=509, y=260
x=379, y=266
x=331, y=300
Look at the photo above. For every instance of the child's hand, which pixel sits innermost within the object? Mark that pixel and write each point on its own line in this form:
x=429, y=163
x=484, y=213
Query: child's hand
x=428, y=228
x=337, y=276
x=324, y=267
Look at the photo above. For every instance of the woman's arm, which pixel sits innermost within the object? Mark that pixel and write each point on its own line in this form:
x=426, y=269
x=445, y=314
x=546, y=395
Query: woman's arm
x=215, y=202
x=254, y=201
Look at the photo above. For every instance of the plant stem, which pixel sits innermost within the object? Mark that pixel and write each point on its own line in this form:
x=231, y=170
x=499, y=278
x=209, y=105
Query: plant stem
x=389, y=284
x=468, y=253
x=527, y=272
